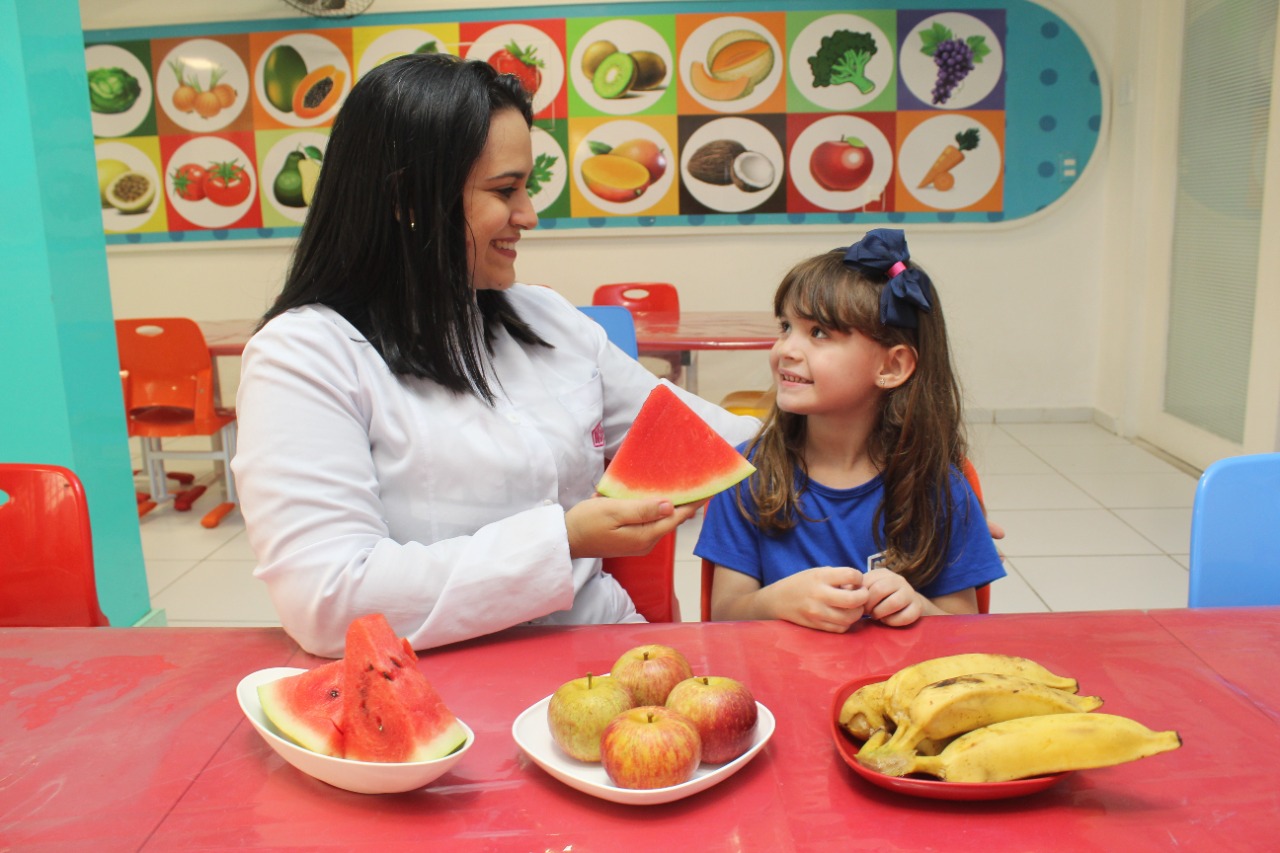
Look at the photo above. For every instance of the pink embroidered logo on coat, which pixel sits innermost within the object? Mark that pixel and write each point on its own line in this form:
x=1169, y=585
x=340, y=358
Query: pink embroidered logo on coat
x=597, y=435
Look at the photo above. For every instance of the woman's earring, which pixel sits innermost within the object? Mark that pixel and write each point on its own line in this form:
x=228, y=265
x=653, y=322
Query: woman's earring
x=881, y=382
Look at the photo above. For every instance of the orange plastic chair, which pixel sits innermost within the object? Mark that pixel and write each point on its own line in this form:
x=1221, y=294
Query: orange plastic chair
x=650, y=580
x=46, y=550
x=647, y=297
x=169, y=387
x=983, y=592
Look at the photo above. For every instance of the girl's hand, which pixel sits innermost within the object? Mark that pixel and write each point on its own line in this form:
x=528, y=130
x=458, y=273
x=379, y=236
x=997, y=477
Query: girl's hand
x=613, y=527
x=890, y=599
x=829, y=598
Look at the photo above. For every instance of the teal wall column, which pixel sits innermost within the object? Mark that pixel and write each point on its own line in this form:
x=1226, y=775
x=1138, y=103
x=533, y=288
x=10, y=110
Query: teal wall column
x=60, y=398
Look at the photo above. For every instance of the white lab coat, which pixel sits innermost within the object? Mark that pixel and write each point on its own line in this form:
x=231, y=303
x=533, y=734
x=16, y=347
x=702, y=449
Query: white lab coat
x=367, y=492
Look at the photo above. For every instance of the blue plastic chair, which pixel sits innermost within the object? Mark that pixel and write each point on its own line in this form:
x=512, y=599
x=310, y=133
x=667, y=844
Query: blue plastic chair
x=1235, y=533
x=618, y=325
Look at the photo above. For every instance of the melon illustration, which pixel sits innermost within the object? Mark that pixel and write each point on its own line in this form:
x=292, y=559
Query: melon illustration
x=671, y=453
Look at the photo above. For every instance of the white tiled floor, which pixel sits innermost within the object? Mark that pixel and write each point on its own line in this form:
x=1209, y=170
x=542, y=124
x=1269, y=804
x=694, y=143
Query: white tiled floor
x=1093, y=522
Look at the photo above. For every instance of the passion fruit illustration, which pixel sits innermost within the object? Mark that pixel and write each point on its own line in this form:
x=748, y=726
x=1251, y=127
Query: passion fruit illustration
x=130, y=192
x=108, y=170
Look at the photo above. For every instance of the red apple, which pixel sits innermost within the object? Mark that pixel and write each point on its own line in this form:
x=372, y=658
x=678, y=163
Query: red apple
x=580, y=709
x=650, y=672
x=722, y=710
x=842, y=165
x=650, y=747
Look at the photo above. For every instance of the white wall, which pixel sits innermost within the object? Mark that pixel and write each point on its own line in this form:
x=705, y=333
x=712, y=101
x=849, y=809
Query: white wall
x=1037, y=309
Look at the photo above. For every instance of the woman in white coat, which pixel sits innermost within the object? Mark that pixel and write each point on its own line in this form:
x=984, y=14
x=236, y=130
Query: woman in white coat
x=419, y=435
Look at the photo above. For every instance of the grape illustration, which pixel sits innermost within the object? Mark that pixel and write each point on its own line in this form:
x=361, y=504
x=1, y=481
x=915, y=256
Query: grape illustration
x=954, y=59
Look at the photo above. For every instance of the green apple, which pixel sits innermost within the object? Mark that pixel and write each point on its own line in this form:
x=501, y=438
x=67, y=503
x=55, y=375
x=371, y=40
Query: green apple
x=650, y=747
x=650, y=671
x=580, y=709
x=723, y=711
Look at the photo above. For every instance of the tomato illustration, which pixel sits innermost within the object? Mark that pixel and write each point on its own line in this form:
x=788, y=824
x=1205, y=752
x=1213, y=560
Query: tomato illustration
x=188, y=181
x=522, y=62
x=227, y=183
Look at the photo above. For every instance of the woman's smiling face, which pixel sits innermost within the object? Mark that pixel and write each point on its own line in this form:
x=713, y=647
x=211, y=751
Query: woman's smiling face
x=497, y=203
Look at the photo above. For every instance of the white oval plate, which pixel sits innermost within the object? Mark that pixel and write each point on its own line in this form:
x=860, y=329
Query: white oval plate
x=534, y=737
x=362, y=777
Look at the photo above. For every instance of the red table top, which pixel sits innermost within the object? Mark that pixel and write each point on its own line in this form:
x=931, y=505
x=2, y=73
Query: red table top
x=690, y=330
x=132, y=738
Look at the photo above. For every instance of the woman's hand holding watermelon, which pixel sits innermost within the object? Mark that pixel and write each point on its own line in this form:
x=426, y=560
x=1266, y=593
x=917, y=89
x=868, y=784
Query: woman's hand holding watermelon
x=618, y=527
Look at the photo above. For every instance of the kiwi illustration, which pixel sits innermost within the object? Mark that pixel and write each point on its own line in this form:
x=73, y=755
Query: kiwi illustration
x=595, y=54
x=651, y=69
x=615, y=75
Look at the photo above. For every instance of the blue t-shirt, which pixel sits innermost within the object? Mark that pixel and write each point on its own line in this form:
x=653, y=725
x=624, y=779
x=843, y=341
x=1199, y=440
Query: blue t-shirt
x=840, y=534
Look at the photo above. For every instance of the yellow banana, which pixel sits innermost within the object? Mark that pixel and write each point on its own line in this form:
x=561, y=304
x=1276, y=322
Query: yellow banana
x=1051, y=743
x=903, y=685
x=961, y=704
x=863, y=712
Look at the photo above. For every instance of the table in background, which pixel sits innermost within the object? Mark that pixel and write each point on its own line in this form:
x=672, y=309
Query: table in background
x=132, y=739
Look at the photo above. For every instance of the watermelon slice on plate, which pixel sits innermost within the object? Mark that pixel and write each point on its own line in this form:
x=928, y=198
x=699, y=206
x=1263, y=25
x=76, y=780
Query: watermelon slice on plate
x=390, y=710
x=672, y=453
x=307, y=708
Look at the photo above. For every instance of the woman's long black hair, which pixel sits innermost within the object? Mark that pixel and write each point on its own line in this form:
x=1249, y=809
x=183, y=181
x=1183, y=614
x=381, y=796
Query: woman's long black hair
x=385, y=239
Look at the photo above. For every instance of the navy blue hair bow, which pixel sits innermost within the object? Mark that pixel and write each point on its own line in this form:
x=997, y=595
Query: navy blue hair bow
x=883, y=252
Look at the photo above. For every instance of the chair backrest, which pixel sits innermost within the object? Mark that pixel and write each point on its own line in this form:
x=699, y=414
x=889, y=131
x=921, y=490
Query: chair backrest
x=1235, y=533
x=650, y=580
x=46, y=549
x=983, y=592
x=639, y=297
x=167, y=365
x=618, y=325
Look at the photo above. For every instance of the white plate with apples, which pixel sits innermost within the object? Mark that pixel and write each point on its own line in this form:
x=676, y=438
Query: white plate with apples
x=533, y=736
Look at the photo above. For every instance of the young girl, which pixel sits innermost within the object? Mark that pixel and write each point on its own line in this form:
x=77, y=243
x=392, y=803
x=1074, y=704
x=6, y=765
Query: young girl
x=858, y=506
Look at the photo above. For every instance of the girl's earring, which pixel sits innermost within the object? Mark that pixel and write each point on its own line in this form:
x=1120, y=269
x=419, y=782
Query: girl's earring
x=881, y=382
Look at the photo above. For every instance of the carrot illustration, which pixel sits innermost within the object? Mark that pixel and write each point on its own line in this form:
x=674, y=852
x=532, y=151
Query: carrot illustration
x=939, y=173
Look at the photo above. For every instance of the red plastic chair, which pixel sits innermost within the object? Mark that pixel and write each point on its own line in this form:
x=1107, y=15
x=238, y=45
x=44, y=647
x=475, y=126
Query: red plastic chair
x=983, y=592
x=647, y=297
x=650, y=580
x=168, y=381
x=46, y=550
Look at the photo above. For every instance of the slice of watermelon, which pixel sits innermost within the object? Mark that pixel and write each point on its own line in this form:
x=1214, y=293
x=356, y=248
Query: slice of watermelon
x=307, y=708
x=390, y=710
x=672, y=453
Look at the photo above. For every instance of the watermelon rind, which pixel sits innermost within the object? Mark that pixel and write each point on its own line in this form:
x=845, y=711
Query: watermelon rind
x=307, y=708
x=671, y=453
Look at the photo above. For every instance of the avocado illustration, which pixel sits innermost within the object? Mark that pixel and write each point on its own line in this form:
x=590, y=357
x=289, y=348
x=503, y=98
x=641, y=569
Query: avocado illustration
x=287, y=186
x=281, y=74
x=310, y=172
x=614, y=76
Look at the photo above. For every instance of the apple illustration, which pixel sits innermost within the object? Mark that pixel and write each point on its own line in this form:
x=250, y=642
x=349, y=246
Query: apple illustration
x=842, y=165
x=650, y=672
x=646, y=153
x=723, y=711
x=580, y=709
x=650, y=747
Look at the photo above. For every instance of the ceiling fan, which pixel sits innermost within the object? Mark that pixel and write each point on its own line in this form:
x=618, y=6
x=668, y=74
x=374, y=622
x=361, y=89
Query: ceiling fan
x=331, y=8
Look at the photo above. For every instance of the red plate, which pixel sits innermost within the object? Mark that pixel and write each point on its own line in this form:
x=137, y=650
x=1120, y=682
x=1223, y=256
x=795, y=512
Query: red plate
x=921, y=786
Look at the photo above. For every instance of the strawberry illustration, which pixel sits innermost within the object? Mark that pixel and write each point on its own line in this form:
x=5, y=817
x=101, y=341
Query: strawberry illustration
x=522, y=62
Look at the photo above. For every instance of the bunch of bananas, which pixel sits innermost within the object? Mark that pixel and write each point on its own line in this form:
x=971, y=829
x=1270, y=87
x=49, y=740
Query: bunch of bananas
x=989, y=718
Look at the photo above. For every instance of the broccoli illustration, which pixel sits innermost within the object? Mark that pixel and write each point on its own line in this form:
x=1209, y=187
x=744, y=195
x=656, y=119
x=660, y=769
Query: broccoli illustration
x=842, y=57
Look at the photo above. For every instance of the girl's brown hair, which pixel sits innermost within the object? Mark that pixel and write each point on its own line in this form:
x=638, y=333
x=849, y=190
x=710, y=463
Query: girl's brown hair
x=918, y=439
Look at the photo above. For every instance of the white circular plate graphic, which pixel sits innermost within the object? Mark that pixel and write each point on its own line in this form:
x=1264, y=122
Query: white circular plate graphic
x=316, y=52
x=614, y=133
x=840, y=96
x=393, y=44
x=545, y=145
x=974, y=176
x=833, y=129
x=110, y=56
x=137, y=161
x=700, y=41
x=728, y=198
x=920, y=74
x=525, y=36
x=199, y=59
x=203, y=151
x=627, y=36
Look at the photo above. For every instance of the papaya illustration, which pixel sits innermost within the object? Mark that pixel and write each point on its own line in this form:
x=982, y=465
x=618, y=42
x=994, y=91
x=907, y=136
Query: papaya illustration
x=318, y=92
x=283, y=71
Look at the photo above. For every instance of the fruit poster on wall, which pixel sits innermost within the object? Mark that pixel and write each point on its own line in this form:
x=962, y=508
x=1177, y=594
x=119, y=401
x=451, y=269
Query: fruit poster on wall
x=974, y=111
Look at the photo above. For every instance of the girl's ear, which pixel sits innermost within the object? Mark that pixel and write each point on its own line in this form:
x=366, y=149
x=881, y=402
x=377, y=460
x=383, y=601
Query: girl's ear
x=896, y=368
